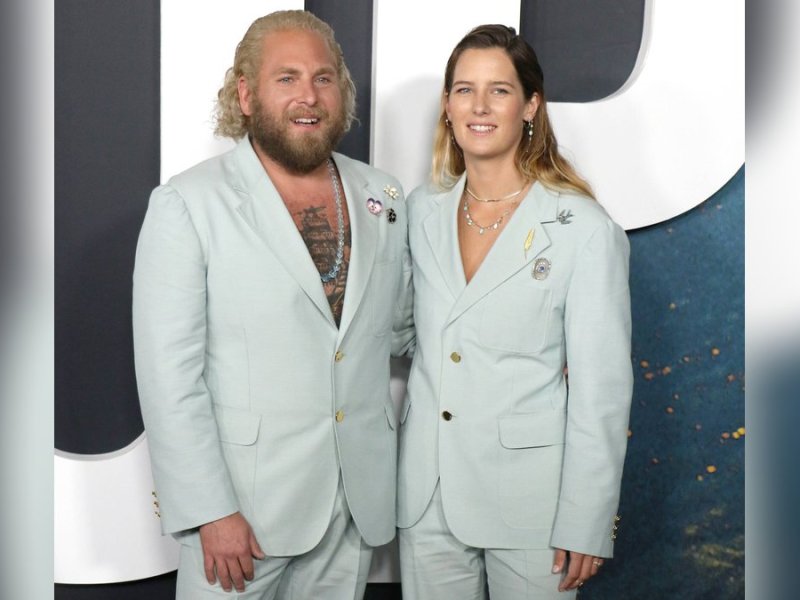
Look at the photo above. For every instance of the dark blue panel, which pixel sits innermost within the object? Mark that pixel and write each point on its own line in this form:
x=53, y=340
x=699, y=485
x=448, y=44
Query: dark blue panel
x=587, y=49
x=682, y=528
x=352, y=22
x=106, y=163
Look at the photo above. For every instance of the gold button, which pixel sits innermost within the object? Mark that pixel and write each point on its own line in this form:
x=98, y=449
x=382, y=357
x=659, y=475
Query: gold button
x=339, y=416
x=617, y=518
x=447, y=415
x=613, y=537
x=455, y=357
x=338, y=356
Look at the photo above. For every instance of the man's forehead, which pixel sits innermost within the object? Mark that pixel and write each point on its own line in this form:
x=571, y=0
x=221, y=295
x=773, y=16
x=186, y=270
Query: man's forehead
x=300, y=43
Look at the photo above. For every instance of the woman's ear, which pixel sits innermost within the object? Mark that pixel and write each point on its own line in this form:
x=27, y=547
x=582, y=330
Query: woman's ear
x=531, y=107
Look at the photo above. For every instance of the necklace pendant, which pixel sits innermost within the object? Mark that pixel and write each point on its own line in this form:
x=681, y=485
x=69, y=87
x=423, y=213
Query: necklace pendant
x=480, y=230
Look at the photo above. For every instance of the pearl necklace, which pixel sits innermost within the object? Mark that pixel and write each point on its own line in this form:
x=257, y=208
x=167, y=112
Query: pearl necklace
x=337, y=264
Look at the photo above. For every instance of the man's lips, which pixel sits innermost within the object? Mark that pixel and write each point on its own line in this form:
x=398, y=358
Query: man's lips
x=306, y=121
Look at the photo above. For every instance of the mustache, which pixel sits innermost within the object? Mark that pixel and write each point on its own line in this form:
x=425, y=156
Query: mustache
x=317, y=113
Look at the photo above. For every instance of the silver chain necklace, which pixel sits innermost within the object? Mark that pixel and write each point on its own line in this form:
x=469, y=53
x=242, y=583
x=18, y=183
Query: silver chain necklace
x=509, y=197
x=481, y=228
x=337, y=264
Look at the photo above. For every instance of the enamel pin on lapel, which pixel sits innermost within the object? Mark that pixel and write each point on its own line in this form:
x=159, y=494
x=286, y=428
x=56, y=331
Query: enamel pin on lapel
x=529, y=242
x=374, y=206
x=541, y=269
x=564, y=217
x=392, y=192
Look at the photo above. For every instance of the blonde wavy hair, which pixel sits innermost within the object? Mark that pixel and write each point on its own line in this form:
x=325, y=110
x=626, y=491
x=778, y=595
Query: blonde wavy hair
x=228, y=117
x=540, y=160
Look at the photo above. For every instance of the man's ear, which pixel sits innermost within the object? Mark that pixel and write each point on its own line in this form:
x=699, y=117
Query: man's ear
x=245, y=96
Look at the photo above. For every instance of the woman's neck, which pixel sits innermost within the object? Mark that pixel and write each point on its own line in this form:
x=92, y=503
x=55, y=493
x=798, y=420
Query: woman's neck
x=493, y=179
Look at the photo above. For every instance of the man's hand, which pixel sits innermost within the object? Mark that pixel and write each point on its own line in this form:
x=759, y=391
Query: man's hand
x=228, y=550
x=581, y=567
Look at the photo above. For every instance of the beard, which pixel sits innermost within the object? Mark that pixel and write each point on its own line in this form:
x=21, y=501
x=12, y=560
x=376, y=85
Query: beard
x=300, y=154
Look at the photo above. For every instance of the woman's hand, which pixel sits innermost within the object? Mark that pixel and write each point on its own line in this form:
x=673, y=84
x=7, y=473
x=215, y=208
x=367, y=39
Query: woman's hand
x=579, y=568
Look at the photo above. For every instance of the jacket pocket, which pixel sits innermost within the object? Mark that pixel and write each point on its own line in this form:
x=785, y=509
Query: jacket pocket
x=236, y=425
x=532, y=430
x=238, y=433
x=530, y=457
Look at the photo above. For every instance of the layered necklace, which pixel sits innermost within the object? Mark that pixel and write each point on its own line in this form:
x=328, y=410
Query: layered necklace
x=337, y=263
x=492, y=226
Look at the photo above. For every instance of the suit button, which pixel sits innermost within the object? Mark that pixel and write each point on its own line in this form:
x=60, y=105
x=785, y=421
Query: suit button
x=455, y=357
x=447, y=415
x=338, y=356
x=339, y=416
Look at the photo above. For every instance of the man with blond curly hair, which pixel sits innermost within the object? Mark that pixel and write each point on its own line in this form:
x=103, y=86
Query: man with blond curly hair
x=272, y=283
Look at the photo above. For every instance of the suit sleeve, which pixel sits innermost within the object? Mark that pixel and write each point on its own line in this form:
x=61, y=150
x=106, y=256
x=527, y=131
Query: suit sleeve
x=403, y=332
x=169, y=326
x=598, y=334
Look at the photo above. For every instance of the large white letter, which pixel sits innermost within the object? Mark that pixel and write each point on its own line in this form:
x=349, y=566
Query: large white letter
x=666, y=141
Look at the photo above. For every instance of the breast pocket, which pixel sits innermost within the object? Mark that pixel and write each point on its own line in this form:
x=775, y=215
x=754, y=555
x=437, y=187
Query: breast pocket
x=516, y=318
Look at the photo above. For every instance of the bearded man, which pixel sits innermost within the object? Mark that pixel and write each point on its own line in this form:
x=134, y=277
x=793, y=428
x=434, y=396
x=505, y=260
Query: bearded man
x=271, y=285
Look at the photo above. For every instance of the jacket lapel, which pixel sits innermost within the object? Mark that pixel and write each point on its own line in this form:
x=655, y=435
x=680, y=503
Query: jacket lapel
x=264, y=211
x=508, y=254
x=364, y=238
x=442, y=236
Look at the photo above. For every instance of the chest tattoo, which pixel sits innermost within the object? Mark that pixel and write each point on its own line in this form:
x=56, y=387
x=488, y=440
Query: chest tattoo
x=318, y=227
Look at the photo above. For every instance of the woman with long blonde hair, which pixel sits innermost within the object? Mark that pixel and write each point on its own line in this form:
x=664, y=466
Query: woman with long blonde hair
x=509, y=479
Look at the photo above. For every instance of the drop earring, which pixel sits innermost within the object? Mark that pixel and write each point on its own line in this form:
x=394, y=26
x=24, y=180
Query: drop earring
x=529, y=126
x=453, y=141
